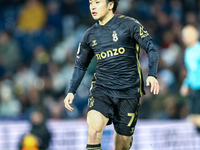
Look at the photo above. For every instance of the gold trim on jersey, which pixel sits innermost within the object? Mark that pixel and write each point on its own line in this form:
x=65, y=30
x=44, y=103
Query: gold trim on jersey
x=143, y=33
x=127, y=17
x=93, y=82
x=90, y=101
x=139, y=68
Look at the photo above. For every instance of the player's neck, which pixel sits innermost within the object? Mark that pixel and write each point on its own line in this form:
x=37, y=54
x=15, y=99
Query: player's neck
x=106, y=18
x=193, y=44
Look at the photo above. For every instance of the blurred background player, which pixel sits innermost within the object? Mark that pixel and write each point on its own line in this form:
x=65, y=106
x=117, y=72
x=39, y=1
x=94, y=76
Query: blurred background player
x=192, y=62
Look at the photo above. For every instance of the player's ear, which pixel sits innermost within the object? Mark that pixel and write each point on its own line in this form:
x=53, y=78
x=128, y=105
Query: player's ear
x=111, y=5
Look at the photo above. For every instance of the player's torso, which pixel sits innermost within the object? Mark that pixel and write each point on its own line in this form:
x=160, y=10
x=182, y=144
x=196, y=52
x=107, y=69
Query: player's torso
x=117, y=55
x=192, y=58
x=109, y=38
x=113, y=45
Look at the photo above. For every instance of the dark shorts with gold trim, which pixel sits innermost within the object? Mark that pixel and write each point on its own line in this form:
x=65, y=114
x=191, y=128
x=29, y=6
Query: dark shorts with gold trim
x=122, y=112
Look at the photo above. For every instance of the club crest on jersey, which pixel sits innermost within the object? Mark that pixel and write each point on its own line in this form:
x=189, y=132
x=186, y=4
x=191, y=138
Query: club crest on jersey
x=94, y=42
x=114, y=35
x=90, y=101
x=132, y=130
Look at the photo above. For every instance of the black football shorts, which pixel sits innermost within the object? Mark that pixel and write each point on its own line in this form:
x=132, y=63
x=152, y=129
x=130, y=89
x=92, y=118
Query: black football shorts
x=122, y=112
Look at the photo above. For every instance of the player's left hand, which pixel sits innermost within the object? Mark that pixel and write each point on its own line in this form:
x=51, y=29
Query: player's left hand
x=154, y=84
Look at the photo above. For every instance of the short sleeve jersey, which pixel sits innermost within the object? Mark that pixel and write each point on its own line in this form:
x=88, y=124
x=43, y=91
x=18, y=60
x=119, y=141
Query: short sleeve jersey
x=116, y=47
x=192, y=63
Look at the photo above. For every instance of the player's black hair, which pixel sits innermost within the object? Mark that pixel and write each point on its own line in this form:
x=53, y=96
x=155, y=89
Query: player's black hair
x=116, y=2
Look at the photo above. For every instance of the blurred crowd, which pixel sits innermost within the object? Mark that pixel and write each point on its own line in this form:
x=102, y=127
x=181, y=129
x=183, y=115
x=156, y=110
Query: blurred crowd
x=38, y=44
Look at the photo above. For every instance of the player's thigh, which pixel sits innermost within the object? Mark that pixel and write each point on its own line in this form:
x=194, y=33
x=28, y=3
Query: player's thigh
x=96, y=121
x=103, y=106
x=126, y=115
x=122, y=141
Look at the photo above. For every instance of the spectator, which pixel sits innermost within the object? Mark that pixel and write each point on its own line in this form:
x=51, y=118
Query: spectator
x=39, y=129
x=24, y=78
x=54, y=21
x=170, y=108
x=30, y=28
x=10, y=107
x=40, y=61
x=29, y=142
x=32, y=16
x=10, y=55
x=70, y=9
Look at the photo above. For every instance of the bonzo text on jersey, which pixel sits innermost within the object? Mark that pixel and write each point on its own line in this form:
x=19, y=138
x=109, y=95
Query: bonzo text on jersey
x=110, y=53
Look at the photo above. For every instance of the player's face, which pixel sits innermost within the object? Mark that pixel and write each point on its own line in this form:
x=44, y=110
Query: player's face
x=189, y=36
x=99, y=9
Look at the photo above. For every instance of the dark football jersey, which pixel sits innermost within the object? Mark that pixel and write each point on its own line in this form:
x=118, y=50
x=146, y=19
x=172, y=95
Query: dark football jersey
x=116, y=47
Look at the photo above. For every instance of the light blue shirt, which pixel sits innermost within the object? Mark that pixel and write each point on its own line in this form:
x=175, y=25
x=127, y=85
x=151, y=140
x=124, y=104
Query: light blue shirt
x=192, y=63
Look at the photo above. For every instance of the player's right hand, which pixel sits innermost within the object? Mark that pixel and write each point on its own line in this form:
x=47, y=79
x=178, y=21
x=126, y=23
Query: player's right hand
x=154, y=84
x=68, y=100
x=184, y=91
